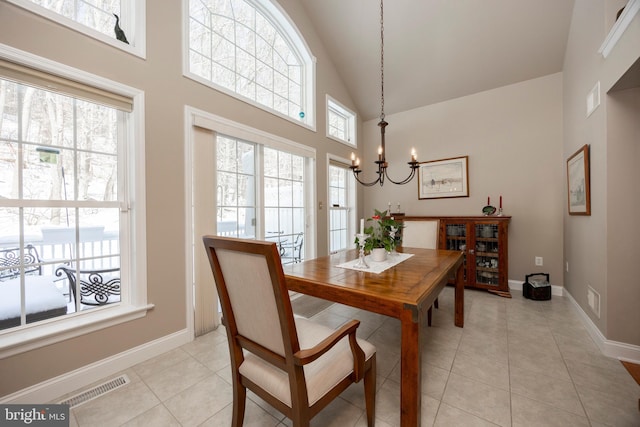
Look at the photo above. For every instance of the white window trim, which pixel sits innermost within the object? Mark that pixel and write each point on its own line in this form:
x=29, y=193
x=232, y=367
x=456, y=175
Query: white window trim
x=286, y=29
x=137, y=9
x=331, y=103
x=202, y=119
x=133, y=238
x=352, y=199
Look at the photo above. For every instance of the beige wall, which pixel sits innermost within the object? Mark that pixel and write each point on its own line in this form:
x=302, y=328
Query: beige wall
x=600, y=248
x=513, y=137
x=167, y=92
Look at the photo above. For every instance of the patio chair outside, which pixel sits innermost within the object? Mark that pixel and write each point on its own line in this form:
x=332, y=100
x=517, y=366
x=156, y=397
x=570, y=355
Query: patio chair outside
x=296, y=365
x=96, y=287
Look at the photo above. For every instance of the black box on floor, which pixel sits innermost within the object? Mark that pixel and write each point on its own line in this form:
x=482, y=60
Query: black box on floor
x=536, y=288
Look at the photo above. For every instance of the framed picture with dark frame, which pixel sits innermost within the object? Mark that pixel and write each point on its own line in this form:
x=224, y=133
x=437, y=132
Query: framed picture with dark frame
x=444, y=178
x=578, y=183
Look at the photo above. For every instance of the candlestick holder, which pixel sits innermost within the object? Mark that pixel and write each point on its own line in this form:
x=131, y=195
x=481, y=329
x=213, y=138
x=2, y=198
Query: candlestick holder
x=392, y=233
x=499, y=211
x=361, y=264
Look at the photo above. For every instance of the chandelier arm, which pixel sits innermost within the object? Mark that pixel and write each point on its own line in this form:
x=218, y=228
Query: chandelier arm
x=404, y=181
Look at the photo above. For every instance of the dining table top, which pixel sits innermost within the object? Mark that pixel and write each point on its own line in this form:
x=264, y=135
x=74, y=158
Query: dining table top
x=409, y=284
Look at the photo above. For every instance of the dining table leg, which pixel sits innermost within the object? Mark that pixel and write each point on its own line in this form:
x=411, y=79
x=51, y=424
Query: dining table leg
x=459, y=297
x=410, y=368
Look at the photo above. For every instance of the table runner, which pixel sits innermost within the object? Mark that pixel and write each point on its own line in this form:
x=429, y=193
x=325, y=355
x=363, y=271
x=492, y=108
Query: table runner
x=375, y=266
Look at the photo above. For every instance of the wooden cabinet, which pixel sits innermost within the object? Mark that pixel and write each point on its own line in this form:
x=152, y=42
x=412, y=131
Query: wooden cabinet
x=484, y=242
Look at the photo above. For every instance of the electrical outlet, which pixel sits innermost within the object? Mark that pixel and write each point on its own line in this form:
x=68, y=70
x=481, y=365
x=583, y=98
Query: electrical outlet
x=538, y=260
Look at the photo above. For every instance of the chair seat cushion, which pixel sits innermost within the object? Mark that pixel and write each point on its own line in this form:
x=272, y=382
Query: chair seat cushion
x=321, y=375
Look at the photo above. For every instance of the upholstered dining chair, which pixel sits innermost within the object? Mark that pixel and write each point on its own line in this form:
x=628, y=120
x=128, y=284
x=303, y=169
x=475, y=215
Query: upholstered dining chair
x=296, y=365
x=422, y=234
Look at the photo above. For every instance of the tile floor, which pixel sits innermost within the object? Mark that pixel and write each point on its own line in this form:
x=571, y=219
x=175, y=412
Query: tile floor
x=515, y=363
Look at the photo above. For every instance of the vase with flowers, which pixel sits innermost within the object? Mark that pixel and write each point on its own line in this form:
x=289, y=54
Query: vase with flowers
x=383, y=233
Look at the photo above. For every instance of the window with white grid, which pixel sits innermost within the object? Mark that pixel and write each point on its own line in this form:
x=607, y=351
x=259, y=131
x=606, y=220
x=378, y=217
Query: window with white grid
x=251, y=50
x=341, y=123
x=341, y=207
x=97, y=19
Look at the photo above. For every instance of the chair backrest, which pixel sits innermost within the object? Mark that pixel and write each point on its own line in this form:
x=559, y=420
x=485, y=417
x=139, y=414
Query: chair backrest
x=96, y=287
x=254, y=298
x=421, y=233
x=11, y=258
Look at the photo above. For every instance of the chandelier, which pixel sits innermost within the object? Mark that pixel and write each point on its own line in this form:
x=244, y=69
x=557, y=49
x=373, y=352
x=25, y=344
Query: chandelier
x=382, y=161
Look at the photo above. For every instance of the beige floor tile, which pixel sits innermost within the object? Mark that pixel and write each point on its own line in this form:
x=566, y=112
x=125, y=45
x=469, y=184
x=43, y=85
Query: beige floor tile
x=201, y=401
x=254, y=416
x=488, y=345
x=610, y=409
x=515, y=363
x=448, y=416
x=489, y=403
x=116, y=407
x=160, y=363
x=482, y=368
x=159, y=415
x=183, y=375
x=552, y=391
x=527, y=413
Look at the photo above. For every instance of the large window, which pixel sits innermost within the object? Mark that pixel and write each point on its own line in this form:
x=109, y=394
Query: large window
x=65, y=198
x=282, y=218
x=341, y=207
x=96, y=19
x=251, y=50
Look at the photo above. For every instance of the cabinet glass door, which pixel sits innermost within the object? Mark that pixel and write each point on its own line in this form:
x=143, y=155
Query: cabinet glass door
x=456, y=240
x=487, y=254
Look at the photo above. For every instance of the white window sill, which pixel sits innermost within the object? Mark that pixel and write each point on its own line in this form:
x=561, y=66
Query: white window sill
x=69, y=326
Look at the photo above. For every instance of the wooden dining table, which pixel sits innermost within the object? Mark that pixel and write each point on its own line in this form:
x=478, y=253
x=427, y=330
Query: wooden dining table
x=404, y=291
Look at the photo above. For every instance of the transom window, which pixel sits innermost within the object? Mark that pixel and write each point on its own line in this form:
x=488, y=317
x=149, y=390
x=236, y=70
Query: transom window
x=252, y=51
x=96, y=19
x=341, y=123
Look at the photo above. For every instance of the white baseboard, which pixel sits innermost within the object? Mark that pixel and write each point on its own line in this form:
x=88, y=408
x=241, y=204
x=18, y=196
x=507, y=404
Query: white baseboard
x=517, y=286
x=49, y=390
x=617, y=350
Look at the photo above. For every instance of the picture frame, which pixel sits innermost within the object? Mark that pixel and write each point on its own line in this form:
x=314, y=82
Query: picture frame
x=578, y=182
x=444, y=178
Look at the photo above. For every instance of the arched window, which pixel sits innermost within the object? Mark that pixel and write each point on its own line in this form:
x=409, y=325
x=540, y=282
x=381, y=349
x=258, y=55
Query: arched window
x=250, y=49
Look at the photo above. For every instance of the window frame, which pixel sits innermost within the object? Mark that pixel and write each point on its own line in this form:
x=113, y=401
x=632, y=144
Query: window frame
x=350, y=117
x=351, y=200
x=134, y=28
x=132, y=231
x=289, y=31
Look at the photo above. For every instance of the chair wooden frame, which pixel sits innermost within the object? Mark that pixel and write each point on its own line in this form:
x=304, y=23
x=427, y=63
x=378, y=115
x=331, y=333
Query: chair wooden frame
x=435, y=246
x=294, y=359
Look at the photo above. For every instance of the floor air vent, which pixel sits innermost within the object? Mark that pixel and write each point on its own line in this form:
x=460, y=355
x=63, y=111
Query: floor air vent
x=96, y=391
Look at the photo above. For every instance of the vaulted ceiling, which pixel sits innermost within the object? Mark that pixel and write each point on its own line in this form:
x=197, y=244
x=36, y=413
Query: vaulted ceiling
x=437, y=50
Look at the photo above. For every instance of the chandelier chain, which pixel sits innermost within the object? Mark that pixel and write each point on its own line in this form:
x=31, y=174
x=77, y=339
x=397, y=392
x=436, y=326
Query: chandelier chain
x=381, y=60
x=382, y=160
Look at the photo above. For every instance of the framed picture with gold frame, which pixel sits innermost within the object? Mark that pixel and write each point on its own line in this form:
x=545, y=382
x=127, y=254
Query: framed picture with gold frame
x=578, y=182
x=444, y=178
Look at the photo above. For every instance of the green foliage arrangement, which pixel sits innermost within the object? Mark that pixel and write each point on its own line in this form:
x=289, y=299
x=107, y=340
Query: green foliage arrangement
x=381, y=232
